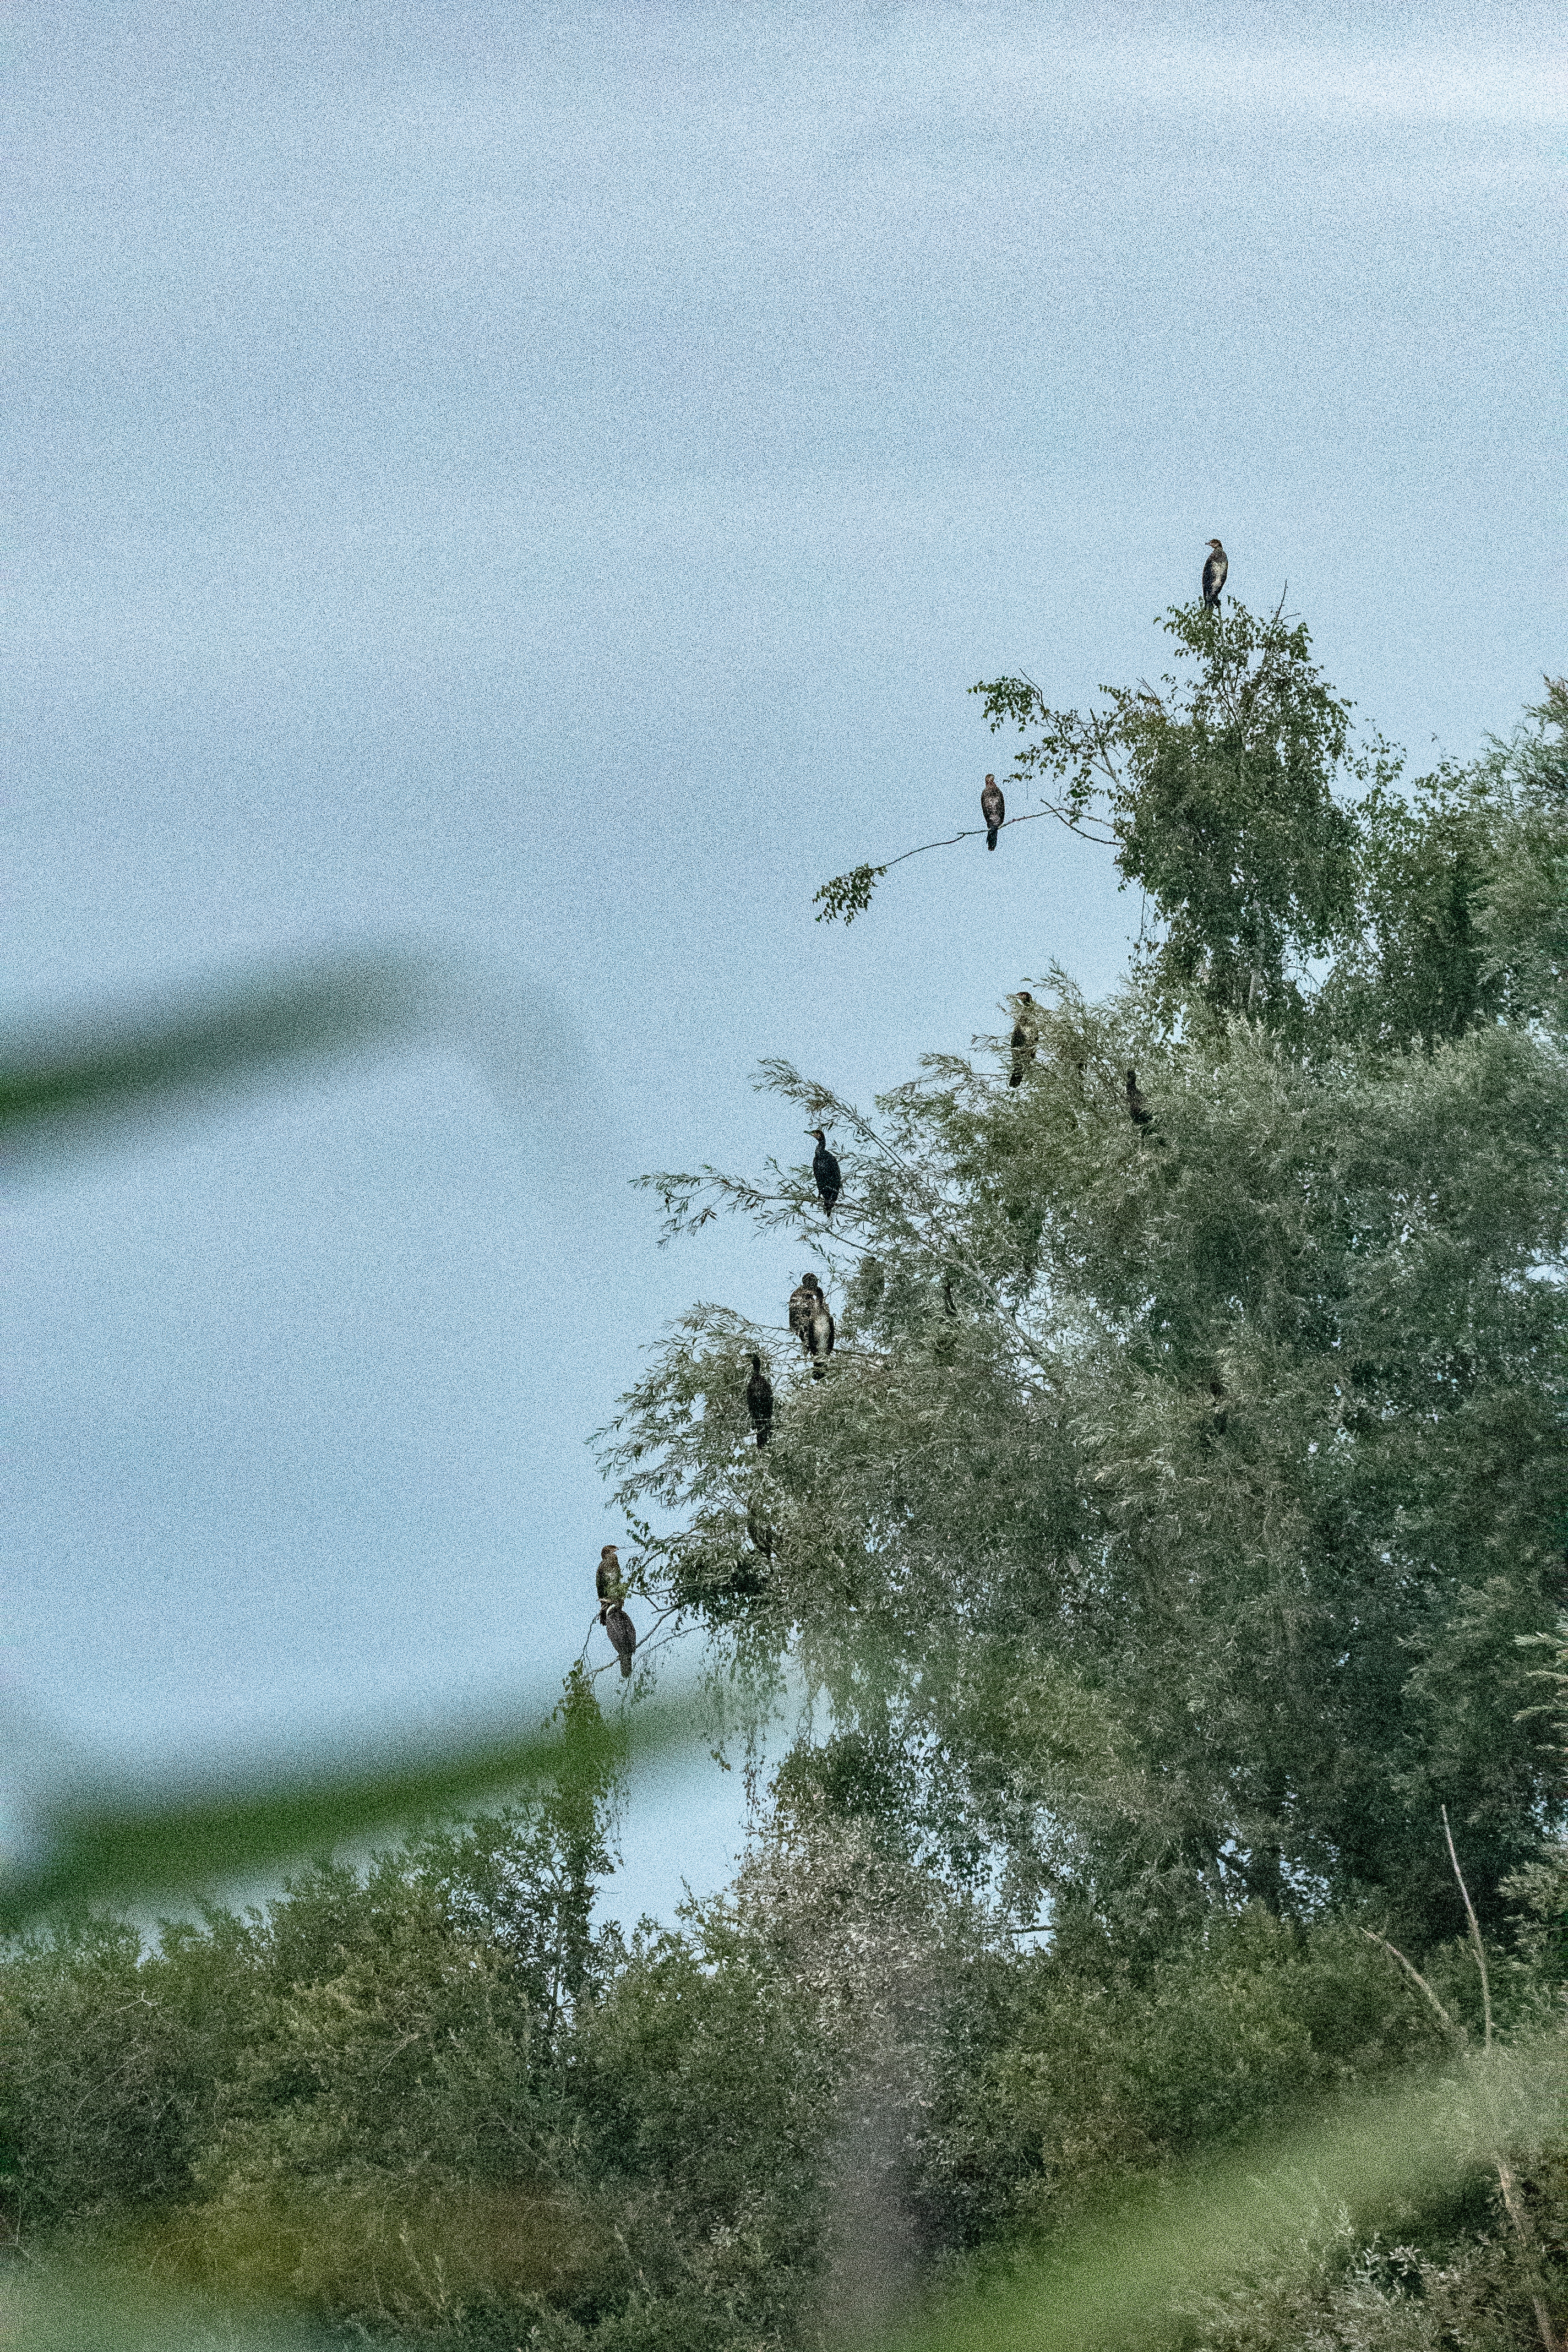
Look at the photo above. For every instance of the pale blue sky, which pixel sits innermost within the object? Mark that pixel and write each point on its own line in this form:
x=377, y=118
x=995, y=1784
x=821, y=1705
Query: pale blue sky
x=541, y=481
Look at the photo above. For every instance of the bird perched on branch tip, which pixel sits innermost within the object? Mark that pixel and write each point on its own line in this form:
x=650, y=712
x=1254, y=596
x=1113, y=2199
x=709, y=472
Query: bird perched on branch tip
x=1216, y=566
x=623, y=1634
x=608, y=1575
x=1138, y=1110
x=993, y=809
x=760, y=1402
x=1025, y=1038
x=825, y=1167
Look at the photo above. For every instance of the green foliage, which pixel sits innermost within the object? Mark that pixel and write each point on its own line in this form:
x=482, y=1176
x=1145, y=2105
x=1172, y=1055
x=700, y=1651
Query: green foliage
x=847, y=895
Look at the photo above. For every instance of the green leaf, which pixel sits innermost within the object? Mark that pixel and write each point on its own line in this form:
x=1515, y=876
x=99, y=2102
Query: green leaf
x=107, y=1846
x=65, y=1086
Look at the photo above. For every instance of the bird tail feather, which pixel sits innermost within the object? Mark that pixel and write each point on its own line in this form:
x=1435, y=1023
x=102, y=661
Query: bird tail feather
x=991, y=838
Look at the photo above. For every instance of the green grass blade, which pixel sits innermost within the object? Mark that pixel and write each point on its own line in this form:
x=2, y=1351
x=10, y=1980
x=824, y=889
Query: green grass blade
x=1139, y=2271
x=104, y=1846
x=67, y=1085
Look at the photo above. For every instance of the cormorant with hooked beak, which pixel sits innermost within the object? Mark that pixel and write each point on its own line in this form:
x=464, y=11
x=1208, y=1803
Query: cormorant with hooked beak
x=1138, y=1110
x=760, y=1402
x=1215, y=568
x=825, y=1167
x=623, y=1634
x=993, y=809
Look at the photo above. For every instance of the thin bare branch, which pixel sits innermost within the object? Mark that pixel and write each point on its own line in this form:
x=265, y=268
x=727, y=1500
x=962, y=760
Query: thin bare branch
x=1450, y=2024
x=1478, y=1948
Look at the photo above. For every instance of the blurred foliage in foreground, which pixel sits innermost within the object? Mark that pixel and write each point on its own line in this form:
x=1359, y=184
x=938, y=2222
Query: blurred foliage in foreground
x=1178, y=1531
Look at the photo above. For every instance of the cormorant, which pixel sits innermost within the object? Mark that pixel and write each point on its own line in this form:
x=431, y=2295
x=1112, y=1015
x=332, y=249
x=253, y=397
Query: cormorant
x=802, y=1306
x=608, y=1575
x=760, y=1402
x=623, y=1633
x=825, y=1167
x=1216, y=566
x=1138, y=1110
x=1024, y=1039
x=993, y=809
x=820, y=1339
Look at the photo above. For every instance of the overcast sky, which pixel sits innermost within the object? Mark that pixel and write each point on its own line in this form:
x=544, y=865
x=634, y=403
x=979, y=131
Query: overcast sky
x=540, y=481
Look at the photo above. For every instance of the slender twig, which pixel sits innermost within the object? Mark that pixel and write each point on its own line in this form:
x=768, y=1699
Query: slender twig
x=1414, y=1973
x=1479, y=1948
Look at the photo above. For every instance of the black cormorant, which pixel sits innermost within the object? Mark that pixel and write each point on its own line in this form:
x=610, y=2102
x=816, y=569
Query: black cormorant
x=1138, y=1110
x=760, y=1402
x=993, y=809
x=825, y=1167
x=623, y=1633
x=1216, y=566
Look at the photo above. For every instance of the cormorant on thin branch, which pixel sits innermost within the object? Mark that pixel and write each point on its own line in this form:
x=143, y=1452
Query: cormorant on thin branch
x=802, y=1306
x=993, y=809
x=608, y=1575
x=1138, y=1110
x=1025, y=1038
x=760, y=1402
x=1216, y=566
x=825, y=1167
x=821, y=1338
x=623, y=1634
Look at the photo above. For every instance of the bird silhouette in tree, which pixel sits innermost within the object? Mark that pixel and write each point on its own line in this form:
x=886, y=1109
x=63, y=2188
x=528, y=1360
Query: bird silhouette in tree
x=608, y=1575
x=760, y=1402
x=623, y=1634
x=1138, y=1110
x=802, y=1306
x=1025, y=1038
x=993, y=809
x=825, y=1167
x=1216, y=564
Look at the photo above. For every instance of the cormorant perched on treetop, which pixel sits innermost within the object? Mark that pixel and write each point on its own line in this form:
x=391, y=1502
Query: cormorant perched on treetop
x=802, y=1306
x=1138, y=1110
x=1215, y=568
x=608, y=1575
x=820, y=1337
x=760, y=1402
x=1025, y=1038
x=993, y=809
x=623, y=1633
x=825, y=1167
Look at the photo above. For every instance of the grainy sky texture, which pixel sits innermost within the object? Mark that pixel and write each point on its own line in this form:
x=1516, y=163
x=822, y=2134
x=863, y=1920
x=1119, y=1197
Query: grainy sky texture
x=540, y=481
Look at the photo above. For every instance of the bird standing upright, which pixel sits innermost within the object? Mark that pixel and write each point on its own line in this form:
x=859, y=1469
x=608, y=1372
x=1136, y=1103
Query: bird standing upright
x=760, y=1402
x=820, y=1337
x=623, y=1634
x=802, y=1306
x=993, y=809
x=1138, y=1110
x=825, y=1167
x=608, y=1575
x=1216, y=566
x=1025, y=1038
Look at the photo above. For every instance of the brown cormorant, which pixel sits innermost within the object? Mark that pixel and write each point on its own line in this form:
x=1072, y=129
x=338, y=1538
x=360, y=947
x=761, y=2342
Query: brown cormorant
x=623, y=1633
x=760, y=1402
x=993, y=809
x=1138, y=1110
x=1025, y=1038
x=608, y=1575
x=820, y=1339
x=1216, y=566
x=825, y=1167
x=802, y=1306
